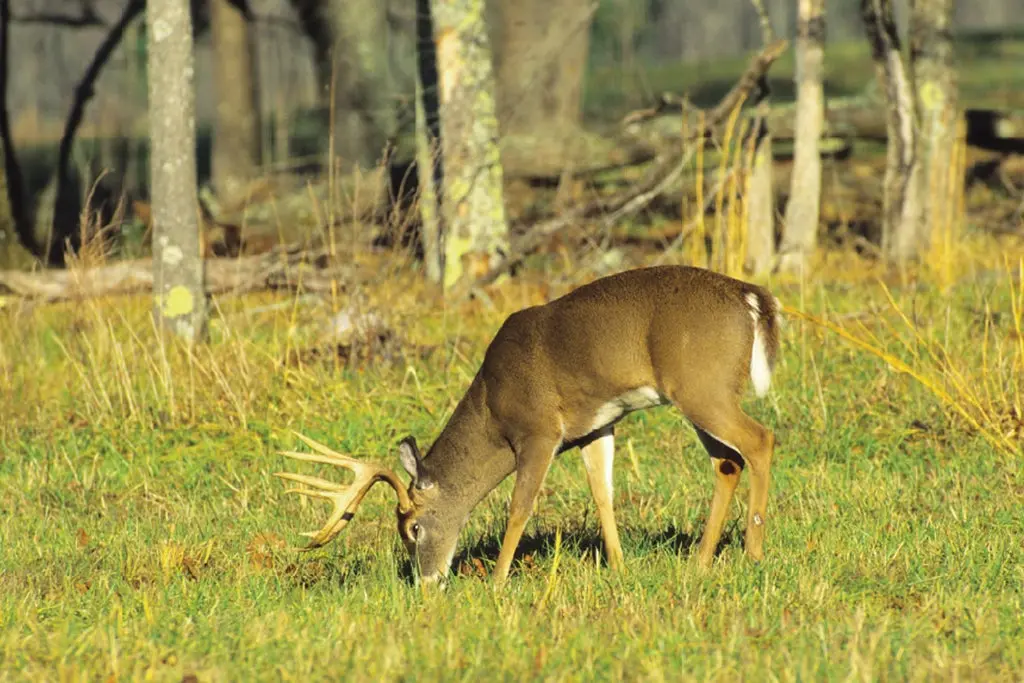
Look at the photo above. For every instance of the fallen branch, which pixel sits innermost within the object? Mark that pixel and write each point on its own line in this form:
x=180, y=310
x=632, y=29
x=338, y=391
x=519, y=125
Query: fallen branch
x=282, y=268
x=662, y=175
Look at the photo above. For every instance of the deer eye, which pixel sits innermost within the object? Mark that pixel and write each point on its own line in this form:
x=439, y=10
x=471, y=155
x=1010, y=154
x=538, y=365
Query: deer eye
x=414, y=530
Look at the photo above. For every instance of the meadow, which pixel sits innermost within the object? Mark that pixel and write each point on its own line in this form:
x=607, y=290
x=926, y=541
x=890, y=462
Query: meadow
x=143, y=536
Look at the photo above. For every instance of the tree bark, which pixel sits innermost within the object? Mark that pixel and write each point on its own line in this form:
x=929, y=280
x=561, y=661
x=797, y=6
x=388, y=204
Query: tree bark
x=902, y=201
x=179, y=299
x=14, y=212
x=428, y=139
x=936, y=90
x=236, y=135
x=760, y=190
x=541, y=61
x=800, y=236
x=364, y=94
x=474, y=210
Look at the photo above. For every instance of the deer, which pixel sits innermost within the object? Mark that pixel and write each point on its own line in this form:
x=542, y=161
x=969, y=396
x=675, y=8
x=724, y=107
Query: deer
x=559, y=376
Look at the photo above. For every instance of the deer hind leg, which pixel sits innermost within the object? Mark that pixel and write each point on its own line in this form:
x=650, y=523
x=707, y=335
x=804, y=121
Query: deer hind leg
x=597, y=458
x=734, y=432
x=726, y=464
x=532, y=465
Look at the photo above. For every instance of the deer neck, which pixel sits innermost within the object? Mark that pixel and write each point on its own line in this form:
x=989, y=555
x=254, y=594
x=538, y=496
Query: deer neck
x=470, y=457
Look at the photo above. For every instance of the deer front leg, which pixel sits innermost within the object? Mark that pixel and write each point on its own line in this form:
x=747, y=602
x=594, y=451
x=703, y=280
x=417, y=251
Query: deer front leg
x=597, y=459
x=532, y=465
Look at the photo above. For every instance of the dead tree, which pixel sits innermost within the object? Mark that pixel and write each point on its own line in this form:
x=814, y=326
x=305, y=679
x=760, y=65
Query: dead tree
x=800, y=236
x=179, y=299
x=936, y=90
x=236, y=136
x=476, y=230
x=902, y=201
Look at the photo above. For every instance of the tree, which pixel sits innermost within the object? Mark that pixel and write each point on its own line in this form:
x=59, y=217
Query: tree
x=364, y=103
x=541, y=60
x=759, y=191
x=803, y=211
x=935, y=85
x=236, y=136
x=476, y=232
x=428, y=138
x=179, y=298
x=902, y=201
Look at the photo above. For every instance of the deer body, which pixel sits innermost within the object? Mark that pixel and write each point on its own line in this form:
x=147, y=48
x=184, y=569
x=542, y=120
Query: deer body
x=560, y=375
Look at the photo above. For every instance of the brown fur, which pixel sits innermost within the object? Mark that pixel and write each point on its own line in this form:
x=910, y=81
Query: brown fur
x=686, y=332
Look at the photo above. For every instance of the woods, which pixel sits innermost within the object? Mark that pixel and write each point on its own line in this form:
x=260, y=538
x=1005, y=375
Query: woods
x=463, y=136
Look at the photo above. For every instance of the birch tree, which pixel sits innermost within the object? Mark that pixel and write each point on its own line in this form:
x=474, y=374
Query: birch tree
x=476, y=231
x=936, y=92
x=179, y=299
x=236, y=136
x=902, y=200
x=803, y=211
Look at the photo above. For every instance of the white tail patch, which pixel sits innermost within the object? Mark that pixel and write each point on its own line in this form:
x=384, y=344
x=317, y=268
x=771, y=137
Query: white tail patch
x=760, y=371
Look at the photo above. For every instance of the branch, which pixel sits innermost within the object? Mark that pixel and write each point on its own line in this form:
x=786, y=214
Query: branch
x=16, y=197
x=664, y=172
x=287, y=267
x=83, y=93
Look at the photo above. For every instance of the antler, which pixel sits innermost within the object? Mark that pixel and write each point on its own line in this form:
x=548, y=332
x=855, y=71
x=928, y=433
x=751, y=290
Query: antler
x=345, y=498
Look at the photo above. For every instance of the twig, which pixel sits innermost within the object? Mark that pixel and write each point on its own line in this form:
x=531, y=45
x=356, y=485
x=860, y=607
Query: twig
x=660, y=176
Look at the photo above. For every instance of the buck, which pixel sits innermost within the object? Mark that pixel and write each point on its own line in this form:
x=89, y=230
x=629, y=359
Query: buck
x=559, y=376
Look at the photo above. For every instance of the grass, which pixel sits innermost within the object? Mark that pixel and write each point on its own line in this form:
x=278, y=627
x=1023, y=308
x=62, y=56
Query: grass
x=142, y=535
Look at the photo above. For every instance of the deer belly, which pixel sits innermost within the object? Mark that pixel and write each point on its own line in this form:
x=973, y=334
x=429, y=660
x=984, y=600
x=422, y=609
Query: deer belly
x=635, y=399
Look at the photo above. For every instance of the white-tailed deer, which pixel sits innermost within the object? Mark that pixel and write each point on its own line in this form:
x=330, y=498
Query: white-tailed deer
x=559, y=376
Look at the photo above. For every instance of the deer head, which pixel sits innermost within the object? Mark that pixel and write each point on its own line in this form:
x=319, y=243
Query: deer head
x=428, y=529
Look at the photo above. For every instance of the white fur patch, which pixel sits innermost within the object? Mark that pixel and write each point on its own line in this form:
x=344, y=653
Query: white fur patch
x=760, y=372
x=636, y=399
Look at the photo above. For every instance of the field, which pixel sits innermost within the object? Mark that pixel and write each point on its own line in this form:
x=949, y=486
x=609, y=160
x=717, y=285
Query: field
x=142, y=535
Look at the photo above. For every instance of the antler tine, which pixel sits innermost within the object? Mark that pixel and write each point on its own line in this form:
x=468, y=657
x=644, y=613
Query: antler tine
x=346, y=499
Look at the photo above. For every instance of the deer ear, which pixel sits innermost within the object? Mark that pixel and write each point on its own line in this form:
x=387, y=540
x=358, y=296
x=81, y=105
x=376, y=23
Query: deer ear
x=409, y=454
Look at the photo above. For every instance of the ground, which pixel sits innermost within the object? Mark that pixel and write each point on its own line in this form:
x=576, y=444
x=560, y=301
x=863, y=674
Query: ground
x=143, y=535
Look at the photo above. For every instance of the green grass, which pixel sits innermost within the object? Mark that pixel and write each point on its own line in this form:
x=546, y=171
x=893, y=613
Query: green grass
x=143, y=536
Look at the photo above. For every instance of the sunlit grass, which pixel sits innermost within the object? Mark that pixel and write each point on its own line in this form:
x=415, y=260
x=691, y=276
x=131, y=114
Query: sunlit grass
x=143, y=534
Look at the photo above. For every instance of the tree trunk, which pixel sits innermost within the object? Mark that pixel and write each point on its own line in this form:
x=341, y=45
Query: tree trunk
x=473, y=203
x=935, y=85
x=760, y=189
x=760, y=198
x=902, y=202
x=364, y=95
x=179, y=300
x=236, y=137
x=800, y=235
x=541, y=61
x=428, y=138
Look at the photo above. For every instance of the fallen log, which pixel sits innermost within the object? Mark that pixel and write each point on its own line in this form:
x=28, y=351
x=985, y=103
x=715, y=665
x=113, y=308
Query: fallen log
x=281, y=268
x=859, y=118
x=663, y=173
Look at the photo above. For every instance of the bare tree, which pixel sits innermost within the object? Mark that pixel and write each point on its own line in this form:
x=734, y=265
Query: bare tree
x=902, y=201
x=936, y=90
x=236, y=137
x=760, y=192
x=803, y=211
x=14, y=213
x=178, y=289
x=476, y=231
x=541, y=61
x=364, y=105
x=428, y=139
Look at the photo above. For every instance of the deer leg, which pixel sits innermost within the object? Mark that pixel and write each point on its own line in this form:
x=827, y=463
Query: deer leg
x=597, y=458
x=760, y=459
x=532, y=466
x=726, y=464
x=738, y=433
